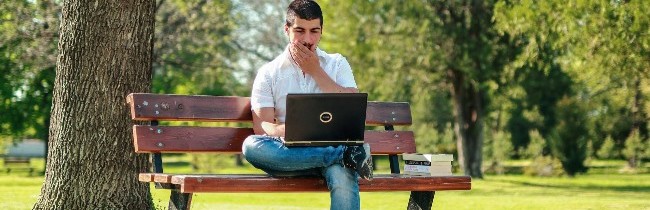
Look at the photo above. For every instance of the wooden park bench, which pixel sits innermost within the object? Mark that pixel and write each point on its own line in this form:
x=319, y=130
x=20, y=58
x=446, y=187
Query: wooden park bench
x=157, y=139
x=17, y=163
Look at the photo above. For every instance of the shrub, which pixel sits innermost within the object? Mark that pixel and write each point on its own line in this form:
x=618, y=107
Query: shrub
x=635, y=149
x=429, y=140
x=608, y=149
x=536, y=145
x=497, y=148
x=568, y=139
x=545, y=166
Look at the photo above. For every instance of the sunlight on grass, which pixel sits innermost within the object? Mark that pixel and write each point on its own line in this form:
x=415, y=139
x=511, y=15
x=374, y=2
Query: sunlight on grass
x=19, y=191
x=495, y=192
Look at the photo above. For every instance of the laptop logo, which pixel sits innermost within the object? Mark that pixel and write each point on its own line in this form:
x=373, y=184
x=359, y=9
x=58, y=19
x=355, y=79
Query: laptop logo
x=325, y=117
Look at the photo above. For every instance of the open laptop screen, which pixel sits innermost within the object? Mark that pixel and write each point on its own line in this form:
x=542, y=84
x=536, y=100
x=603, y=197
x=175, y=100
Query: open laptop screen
x=325, y=119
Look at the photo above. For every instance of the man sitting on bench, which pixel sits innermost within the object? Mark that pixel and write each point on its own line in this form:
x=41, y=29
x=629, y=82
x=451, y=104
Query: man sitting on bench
x=304, y=68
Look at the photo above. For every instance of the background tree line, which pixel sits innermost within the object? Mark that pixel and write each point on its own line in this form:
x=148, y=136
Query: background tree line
x=488, y=80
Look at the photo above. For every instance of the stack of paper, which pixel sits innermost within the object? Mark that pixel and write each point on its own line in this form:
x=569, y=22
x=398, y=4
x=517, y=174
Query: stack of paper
x=427, y=164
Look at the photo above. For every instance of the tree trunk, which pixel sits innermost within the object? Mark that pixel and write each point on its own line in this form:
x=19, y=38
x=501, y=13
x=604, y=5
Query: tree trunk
x=468, y=111
x=636, y=118
x=105, y=51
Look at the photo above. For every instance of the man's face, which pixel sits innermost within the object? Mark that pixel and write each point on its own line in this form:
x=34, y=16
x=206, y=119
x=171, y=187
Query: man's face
x=305, y=32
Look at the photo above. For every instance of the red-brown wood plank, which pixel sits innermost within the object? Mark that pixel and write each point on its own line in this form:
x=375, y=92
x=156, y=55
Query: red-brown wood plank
x=169, y=139
x=145, y=106
x=264, y=183
x=390, y=142
x=163, y=107
x=189, y=139
x=388, y=113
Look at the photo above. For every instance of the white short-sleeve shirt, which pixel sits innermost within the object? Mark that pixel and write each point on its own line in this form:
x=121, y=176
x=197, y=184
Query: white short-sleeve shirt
x=282, y=76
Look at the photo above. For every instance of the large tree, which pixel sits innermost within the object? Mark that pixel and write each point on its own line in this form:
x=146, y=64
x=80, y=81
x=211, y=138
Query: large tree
x=602, y=45
x=105, y=51
x=405, y=49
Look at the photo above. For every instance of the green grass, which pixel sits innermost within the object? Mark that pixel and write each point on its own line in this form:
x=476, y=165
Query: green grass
x=588, y=191
x=19, y=191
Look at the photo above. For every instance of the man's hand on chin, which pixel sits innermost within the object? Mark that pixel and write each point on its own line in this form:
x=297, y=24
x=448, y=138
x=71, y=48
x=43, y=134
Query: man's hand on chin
x=305, y=57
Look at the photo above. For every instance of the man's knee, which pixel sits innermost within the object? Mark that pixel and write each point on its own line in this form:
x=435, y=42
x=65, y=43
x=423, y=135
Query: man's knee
x=258, y=148
x=249, y=144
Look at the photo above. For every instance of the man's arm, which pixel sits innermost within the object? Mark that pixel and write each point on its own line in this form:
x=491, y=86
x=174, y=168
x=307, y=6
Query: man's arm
x=264, y=122
x=307, y=60
x=327, y=85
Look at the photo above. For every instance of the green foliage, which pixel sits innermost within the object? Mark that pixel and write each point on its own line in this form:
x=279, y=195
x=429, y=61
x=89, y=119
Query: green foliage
x=635, y=149
x=192, y=50
x=432, y=141
x=497, y=148
x=568, y=140
x=410, y=49
x=192, y=55
x=544, y=84
x=28, y=43
x=599, y=45
x=607, y=150
x=536, y=146
x=544, y=166
x=209, y=163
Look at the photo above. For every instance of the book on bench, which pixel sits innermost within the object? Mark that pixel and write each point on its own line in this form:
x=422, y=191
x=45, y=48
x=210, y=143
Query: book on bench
x=427, y=164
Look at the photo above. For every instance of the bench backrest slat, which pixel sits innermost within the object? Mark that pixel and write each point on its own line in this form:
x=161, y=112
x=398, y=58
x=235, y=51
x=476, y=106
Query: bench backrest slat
x=145, y=106
x=170, y=139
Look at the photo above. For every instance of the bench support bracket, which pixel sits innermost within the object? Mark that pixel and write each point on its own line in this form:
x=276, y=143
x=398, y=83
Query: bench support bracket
x=179, y=200
x=421, y=200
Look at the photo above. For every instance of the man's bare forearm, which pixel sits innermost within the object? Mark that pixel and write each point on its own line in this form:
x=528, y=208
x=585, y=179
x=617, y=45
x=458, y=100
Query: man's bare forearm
x=273, y=129
x=327, y=85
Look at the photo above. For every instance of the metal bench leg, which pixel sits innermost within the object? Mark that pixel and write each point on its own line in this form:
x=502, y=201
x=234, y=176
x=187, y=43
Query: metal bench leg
x=420, y=200
x=180, y=201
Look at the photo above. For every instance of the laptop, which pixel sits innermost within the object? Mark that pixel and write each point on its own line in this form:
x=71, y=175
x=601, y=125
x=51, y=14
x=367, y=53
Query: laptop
x=324, y=119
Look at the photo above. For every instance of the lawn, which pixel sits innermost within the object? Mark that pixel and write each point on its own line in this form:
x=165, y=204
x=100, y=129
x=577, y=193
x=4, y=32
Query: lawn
x=588, y=191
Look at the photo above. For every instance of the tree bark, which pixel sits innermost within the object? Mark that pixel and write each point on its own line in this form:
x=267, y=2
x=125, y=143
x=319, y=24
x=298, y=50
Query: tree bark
x=105, y=52
x=468, y=111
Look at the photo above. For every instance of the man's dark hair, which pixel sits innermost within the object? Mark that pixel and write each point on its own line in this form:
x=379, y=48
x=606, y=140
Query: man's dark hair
x=303, y=9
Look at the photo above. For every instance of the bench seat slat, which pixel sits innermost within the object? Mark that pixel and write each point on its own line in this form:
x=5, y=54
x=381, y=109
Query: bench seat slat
x=169, y=139
x=167, y=107
x=265, y=183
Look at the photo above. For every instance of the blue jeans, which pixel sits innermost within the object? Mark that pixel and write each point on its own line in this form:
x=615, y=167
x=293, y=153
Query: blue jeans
x=270, y=155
